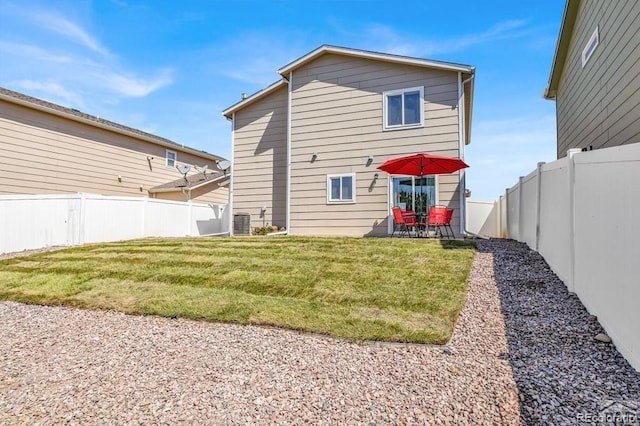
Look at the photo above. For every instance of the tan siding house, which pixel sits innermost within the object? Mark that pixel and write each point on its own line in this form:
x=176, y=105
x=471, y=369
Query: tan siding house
x=326, y=119
x=260, y=157
x=595, y=79
x=49, y=149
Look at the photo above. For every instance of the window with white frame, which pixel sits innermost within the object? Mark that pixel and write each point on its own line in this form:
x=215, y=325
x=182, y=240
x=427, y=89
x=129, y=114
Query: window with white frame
x=172, y=158
x=590, y=47
x=341, y=188
x=403, y=108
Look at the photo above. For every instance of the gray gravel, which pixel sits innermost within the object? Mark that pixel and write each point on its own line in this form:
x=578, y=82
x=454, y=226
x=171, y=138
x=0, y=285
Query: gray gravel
x=62, y=365
x=564, y=374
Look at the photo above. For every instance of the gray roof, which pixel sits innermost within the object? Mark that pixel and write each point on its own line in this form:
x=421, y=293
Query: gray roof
x=23, y=99
x=193, y=181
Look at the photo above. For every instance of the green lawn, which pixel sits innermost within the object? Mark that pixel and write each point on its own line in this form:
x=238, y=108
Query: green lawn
x=408, y=290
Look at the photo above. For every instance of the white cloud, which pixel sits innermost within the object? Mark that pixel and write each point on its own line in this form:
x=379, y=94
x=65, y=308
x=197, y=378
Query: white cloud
x=52, y=21
x=500, y=31
x=57, y=93
x=64, y=69
x=133, y=86
x=33, y=52
x=256, y=57
x=389, y=41
x=261, y=71
x=519, y=131
x=393, y=42
x=68, y=29
x=504, y=150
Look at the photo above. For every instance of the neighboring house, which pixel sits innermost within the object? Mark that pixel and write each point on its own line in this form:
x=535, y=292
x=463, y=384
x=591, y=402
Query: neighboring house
x=50, y=149
x=595, y=77
x=306, y=148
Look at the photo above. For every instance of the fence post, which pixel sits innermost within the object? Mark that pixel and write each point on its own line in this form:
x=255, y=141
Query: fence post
x=571, y=285
x=506, y=219
x=520, y=209
x=496, y=208
x=538, y=199
x=501, y=219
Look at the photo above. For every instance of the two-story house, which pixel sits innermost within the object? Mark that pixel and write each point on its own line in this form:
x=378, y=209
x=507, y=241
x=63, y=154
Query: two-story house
x=306, y=148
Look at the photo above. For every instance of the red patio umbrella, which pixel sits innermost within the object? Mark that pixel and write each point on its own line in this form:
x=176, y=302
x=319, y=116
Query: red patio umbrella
x=422, y=165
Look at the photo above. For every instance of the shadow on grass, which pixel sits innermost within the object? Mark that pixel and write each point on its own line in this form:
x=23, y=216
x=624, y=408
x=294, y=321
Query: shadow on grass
x=444, y=243
x=564, y=375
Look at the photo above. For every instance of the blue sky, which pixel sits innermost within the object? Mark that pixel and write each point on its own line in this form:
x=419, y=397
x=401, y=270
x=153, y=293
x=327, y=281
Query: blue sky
x=171, y=67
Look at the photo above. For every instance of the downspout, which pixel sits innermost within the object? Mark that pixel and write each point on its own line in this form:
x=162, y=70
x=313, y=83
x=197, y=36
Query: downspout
x=461, y=144
x=215, y=234
x=273, y=234
x=288, y=198
x=230, y=201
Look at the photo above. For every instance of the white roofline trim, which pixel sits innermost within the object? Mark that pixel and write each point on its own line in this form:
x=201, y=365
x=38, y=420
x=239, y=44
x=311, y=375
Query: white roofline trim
x=469, y=99
x=208, y=182
x=254, y=97
x=157, y=191
x=284, y=71
x=568, y=22
x=173, y=146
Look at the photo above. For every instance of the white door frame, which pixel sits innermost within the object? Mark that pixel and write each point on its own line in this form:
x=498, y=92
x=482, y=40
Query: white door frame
x=413, y=185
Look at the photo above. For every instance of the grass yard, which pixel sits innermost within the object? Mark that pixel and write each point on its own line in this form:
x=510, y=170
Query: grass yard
x=405, y=290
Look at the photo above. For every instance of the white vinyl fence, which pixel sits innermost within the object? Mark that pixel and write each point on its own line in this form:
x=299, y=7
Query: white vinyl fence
x=38, y=221
x=485, y=218
x=581, y=213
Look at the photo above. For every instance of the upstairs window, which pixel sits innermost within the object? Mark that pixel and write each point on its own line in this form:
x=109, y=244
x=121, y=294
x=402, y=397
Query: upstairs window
x=341, y=188
x=403, y=108
x=588, y=50
x=172, y=158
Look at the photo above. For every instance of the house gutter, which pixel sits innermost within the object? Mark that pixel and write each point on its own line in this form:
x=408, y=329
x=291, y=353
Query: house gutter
x=461, y=126
x=288, y=198
x=230, y=201
x=461, y=145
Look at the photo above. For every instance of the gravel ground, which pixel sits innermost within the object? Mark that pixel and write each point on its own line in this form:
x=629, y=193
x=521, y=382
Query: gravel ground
x=564, y=375
x=71, y=366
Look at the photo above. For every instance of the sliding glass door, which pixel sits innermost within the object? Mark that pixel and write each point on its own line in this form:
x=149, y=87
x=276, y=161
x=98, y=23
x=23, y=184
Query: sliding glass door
x=413, y=193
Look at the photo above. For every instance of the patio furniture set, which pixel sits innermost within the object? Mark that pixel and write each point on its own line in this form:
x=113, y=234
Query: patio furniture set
x=438, y=219
x=436, y=223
